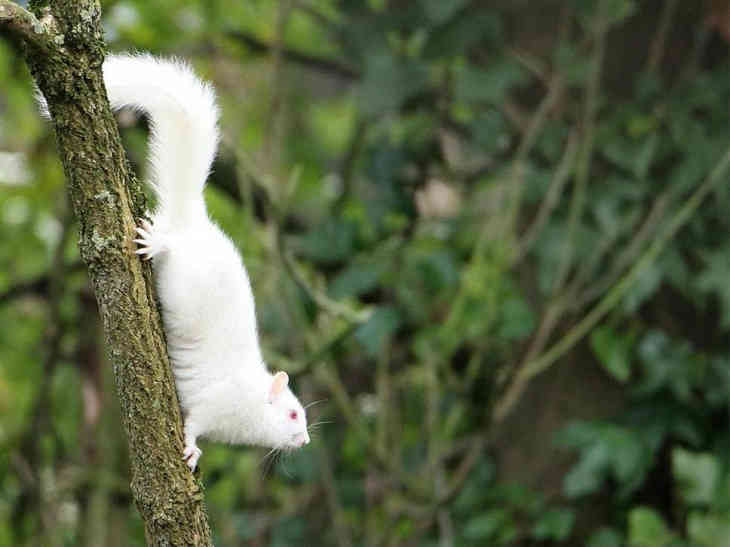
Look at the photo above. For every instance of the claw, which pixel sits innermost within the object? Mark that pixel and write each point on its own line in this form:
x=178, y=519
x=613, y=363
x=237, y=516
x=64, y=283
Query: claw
x=192, y=454
x=149, y=240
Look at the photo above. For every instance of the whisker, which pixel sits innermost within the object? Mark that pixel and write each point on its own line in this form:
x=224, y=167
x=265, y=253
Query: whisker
x=320, y=423
x=314, y=403
x=269, y=459
x=285, y=456
x=267, y=455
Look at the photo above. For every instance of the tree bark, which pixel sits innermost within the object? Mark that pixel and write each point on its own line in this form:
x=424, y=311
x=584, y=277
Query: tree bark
x=65, y=50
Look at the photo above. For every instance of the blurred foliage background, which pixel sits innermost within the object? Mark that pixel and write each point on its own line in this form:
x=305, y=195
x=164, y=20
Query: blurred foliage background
x=491, y=237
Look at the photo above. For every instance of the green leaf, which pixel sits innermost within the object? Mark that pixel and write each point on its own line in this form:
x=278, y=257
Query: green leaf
x=613, y=352
x=647, y=528
x=588, y=474
x=606, y=537
x=644, y=287
x=356, y=279
x=490, y=84
x=696, y=475
x=457, y=35
x=517, y=319
x=668, y=364
x=389, y=81
x=382, y=324
x=709, y=530
x=439, y=11
x=630, y=154
x=606, y=450
x=714, y=279
x=555, y=524
x=486, y=525
x=330, y=242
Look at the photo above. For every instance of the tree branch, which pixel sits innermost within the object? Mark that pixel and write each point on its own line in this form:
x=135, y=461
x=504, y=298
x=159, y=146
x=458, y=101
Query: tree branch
x=106, y=198
x=23, y=25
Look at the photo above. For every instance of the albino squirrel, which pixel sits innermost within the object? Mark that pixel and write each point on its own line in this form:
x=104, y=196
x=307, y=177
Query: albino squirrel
x=225, y=390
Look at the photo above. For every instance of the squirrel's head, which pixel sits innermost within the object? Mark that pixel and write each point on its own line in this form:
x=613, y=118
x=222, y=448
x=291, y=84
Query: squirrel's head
x=285, y=416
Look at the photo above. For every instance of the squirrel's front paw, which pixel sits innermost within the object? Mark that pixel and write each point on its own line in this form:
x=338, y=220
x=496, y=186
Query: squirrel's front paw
x=149, y=241
x=192, y=454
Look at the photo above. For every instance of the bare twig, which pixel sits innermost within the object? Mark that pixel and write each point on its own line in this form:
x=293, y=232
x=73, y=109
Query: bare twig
x=347, y=171
x=320, y=64
x=559, y=179
x=584, y=159
x=658, y=44
x=339, y=521
x=629, y=254
x=555, y=91
x=614, y=296
x=334, y=307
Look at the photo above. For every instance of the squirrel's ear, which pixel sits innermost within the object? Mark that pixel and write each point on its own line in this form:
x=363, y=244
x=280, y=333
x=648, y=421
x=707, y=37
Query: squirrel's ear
x=281, y=380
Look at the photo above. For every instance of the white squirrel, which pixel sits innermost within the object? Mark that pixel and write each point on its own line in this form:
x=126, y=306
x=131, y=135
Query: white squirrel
x=225, y=390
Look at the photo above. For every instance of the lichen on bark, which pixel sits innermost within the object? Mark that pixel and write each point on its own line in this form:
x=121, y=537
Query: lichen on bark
x=106, y=199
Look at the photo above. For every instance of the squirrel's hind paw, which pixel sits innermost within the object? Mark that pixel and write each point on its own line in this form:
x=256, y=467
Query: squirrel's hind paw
x=149, y=240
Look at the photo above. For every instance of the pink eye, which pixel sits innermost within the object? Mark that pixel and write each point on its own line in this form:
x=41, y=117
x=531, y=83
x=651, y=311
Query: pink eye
x=293, y=414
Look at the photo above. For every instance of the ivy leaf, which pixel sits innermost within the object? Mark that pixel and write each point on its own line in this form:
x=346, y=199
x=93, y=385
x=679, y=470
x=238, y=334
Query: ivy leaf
x=356, y=279
x=648, y=529
x=715, y=280
x=709, y=530
x=486, y=525
x=606, y=537
x=696, y=475
x=606, y=451
x=555, y=524
x=439, y=11
x=668, y=364
x=330, y=242
x=613, y=352
x=389, y=81
x=383, y=322
x=489, y=84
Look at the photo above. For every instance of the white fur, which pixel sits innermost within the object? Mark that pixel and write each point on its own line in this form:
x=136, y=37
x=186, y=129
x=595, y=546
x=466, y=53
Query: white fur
x=207, y=304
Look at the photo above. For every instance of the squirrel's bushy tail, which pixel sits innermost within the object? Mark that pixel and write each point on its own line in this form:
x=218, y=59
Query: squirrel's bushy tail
x=183, y=127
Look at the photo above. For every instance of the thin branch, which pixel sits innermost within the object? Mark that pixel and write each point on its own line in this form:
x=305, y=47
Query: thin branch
x=584, y=159
x=347, y=171
x=326, y=303
x=614, y=296
x=321, y=18
x=552, y=197
x=630, y=252
x=533, y=64
x=277, y=122
x=320, y=64
x=555, y=92
x=658, y=44
x=329, y=484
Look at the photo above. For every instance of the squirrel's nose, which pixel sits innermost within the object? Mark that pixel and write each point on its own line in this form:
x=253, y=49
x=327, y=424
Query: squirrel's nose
x=306, y=437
